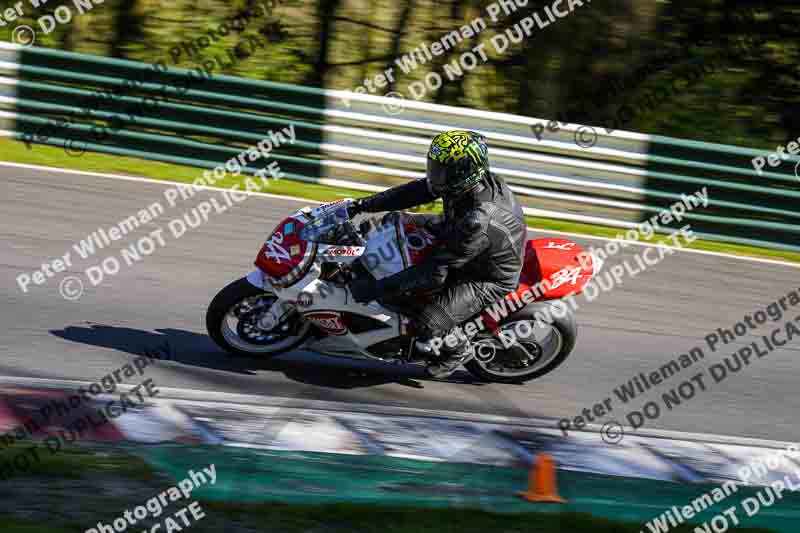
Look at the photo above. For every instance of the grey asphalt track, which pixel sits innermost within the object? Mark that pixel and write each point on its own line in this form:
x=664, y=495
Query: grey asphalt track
x=158, y=305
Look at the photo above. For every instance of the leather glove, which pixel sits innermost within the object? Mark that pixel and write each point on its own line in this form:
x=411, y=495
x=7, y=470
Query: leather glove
x=389, y=219
x=354, y=208
x=364, y=290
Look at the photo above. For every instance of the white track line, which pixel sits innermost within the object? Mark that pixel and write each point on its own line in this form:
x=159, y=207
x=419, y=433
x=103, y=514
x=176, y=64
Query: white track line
x=197, y=396
x=166, y=183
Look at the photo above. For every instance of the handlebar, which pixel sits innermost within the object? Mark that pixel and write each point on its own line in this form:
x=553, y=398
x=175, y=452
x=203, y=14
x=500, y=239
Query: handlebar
x=333, y=226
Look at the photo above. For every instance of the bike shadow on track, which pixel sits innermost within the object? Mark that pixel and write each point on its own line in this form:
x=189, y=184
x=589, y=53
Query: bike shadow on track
x=198, y=350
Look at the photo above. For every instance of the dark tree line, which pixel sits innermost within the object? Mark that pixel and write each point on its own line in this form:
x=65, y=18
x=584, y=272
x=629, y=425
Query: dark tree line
x=751, y=99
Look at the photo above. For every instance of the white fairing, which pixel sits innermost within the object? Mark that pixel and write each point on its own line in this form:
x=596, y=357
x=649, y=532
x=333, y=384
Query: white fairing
x=321, y=302
x=382, y=257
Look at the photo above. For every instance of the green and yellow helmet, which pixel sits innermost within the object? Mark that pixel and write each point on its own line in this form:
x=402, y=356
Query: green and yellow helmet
x=457, y=161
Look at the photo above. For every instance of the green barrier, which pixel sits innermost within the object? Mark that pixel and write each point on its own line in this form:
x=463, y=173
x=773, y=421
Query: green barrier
x=175, y=115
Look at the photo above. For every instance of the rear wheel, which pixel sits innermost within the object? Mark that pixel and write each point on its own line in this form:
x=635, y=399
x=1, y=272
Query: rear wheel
x=535, y=347
x=232, y=318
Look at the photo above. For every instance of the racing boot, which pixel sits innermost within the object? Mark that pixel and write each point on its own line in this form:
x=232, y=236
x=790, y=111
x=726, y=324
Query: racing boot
x=451, y=357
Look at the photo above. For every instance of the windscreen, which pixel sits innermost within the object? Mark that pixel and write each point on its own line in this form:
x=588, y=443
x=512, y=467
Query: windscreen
x=325, y=229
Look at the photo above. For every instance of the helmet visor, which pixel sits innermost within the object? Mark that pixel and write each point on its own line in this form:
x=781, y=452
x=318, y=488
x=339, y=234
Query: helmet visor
x=437, y=177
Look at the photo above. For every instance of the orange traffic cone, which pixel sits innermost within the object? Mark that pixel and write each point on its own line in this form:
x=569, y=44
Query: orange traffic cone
x=542, y=482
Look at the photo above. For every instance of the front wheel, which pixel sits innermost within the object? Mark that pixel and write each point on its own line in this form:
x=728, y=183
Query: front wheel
x=538, y=337
x=232, y=322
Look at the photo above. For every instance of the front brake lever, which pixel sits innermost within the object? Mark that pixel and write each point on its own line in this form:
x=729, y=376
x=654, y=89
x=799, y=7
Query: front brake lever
x=352, y=233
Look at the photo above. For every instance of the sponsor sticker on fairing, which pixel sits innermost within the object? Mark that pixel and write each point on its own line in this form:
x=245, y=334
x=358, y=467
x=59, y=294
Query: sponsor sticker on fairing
x=342, y=251
x=328, y=321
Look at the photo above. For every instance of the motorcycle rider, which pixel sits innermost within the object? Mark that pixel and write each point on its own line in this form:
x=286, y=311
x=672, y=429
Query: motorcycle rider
x=482, y=235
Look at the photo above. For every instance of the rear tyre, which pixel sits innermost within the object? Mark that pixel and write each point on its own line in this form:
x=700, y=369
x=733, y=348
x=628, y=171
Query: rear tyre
x=533, y=354
x=231, y=322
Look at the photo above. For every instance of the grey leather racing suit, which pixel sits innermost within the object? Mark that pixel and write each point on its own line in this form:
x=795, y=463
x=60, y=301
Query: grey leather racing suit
x=482, y=236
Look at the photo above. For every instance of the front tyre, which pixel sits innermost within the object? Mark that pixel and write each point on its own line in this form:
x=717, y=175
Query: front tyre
x=538, y=347
x=232, y=317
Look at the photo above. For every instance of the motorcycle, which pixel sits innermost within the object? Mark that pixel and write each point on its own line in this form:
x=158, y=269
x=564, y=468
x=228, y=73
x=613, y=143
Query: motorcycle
x=298, y=298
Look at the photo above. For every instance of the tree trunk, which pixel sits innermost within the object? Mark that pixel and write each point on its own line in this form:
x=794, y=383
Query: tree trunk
x=127, y=28
x=325, y=13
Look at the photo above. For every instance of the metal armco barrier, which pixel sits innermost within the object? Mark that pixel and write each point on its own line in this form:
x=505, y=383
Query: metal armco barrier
x=369, y=143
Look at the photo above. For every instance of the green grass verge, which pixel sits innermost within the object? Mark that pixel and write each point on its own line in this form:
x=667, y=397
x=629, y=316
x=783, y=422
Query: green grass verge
x=16, y=151
x=71, y=462
x=374, y=519
x=290, y=518
x=18, y=526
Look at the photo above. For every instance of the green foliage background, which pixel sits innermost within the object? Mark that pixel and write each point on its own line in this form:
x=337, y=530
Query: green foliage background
x=751, y=97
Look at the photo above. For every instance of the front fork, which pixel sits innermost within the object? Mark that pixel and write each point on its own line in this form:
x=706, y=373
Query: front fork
x=275, y=316
x=278, y=311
